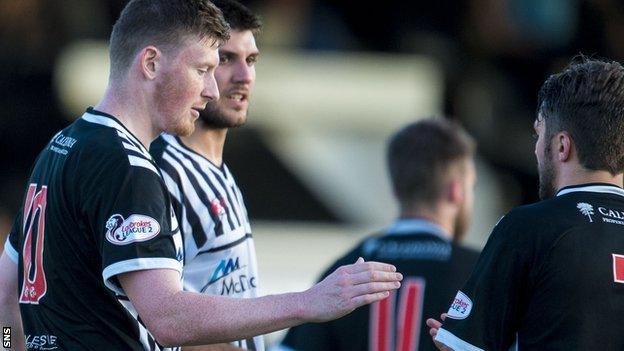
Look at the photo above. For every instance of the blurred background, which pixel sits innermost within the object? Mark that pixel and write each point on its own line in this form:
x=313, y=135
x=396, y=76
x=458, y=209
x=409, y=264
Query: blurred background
x=334, y=80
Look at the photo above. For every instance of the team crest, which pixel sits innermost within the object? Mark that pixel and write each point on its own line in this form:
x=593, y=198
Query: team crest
x=586, y=209
x=461, y=306
x=218, y=206
x=136, y=228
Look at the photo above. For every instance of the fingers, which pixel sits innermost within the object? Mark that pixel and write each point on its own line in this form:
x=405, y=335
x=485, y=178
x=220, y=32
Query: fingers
x=433, y=332
x=443, y=316
x=375, y=276
x=361, y=266
x=369, y=288
x=368, y=298
x=432, y=323
x=360, y=260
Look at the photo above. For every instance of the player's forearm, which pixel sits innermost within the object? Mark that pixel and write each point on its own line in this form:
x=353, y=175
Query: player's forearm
x=9, y=307
x=201, y=319
x=176, y=317
x=212, y=347
x=10, y=317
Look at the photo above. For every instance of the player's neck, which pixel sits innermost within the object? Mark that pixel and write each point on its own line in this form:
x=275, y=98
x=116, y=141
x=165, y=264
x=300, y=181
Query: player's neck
x=207, y=142
x=421, y=212
x=131, y=111
x=579, y=175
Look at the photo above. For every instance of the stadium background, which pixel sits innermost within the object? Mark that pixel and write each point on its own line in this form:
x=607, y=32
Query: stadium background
x=335, y=78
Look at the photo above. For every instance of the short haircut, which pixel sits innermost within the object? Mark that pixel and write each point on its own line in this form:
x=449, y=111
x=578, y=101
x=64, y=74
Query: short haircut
x=587, y=101
x=420, y=156
x=238, y=16
x=165, y=24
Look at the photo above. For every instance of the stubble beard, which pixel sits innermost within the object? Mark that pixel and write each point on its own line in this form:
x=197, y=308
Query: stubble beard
x=462, y=222
x=214, y=117
x=547, y=176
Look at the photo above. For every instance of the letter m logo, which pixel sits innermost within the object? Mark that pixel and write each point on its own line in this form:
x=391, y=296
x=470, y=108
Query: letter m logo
x=224, y=268
x=618, y=268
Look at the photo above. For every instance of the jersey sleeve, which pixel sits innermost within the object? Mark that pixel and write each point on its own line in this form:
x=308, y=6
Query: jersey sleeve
x=132, y=220
x=484, y=315
x=11, y=246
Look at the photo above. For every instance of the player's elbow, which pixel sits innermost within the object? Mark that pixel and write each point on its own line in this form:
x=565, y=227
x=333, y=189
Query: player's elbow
x=165, y=334
x=170, y=331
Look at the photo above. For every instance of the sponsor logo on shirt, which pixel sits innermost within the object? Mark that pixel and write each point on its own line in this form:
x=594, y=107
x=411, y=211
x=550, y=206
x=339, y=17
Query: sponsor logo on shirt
x=230, y=284
x=586, y=209
x=611, y=216
x=135, y=228
x=417, y=250
x=61, y=143
x=461, y=306
x=41, y=342
x=225, y=268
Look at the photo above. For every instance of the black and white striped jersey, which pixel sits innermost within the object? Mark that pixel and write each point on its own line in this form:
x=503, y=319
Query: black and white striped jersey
x=220, y=257
x=95, y=207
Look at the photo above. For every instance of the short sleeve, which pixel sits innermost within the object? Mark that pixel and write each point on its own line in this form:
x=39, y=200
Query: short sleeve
x=132, y=221
x=11, y=246
x=484, y=315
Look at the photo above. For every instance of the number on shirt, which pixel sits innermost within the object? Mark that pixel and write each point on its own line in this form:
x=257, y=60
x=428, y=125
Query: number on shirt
x=405, y=330
x=34, y=286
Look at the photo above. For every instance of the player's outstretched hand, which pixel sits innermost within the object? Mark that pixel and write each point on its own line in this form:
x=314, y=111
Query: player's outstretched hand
x=434, y=325
x=348, y=288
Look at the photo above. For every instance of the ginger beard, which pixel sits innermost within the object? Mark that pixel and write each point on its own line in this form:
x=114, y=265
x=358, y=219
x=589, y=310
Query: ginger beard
x=169, y=93
x=185, y=83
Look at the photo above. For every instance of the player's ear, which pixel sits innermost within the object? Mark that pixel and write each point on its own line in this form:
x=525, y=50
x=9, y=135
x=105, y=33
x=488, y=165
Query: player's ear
x=563, y=146
x=455, y=190
x=149, y=61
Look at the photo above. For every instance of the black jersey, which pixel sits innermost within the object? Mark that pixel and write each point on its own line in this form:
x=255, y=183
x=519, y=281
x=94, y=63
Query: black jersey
x=431, y=266
x=551, y=277
x=95, y=207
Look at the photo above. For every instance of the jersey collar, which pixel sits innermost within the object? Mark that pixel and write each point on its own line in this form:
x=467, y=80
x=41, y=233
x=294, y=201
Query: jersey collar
x=98, y=117
x=178, y=144
x=592, y=188
x=415, y=226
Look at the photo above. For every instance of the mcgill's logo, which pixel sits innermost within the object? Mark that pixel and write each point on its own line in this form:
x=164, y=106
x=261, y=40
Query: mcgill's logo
x=225, y=268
